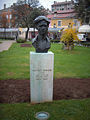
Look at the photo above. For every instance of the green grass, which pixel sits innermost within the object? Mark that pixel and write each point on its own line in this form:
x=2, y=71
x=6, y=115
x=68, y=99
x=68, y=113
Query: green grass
x=1, y=39
x=59, y=110
x=14, y=63
x=74, y=64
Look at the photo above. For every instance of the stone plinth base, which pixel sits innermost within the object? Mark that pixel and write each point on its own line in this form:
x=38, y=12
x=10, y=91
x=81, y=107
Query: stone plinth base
x=41, y=76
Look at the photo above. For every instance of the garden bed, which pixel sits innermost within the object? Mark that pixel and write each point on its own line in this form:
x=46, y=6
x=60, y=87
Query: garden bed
x=26, y=45
x=13, y=91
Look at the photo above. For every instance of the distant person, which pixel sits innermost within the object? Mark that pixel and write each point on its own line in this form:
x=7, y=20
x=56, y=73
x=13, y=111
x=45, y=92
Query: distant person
x=16, y=36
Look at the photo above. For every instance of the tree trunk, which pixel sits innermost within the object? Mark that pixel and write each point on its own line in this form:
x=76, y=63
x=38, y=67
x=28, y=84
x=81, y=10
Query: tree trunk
x=34, y=31
x=27, y=34
x=5, y=32
x=68, y=47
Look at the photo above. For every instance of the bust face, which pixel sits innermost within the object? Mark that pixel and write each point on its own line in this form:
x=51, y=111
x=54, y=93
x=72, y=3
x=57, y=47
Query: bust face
x=42, y=27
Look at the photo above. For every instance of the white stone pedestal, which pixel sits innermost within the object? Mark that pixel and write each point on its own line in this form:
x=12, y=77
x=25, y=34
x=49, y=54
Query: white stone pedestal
x=41, y=76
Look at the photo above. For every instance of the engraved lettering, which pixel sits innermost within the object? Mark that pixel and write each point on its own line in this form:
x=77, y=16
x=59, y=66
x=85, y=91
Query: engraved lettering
x=41, y=74
x=47, y=70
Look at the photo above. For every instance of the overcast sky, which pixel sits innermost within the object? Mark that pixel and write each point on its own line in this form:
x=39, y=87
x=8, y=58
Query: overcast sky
x=45, y=3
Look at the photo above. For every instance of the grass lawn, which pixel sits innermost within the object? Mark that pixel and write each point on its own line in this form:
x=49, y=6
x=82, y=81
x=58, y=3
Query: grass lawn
x=14, y=63
x=59, y=110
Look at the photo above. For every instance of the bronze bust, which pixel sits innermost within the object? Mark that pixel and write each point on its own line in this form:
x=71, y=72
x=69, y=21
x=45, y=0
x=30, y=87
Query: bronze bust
x=41, y=42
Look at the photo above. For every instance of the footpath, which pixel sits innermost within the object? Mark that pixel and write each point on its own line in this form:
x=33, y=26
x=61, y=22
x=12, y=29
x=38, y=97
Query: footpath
x=5, y=45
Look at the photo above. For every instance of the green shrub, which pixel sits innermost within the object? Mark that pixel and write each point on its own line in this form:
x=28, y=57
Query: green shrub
x=7, y=38
x=30, y=39
x=20, y=40
x=86, y=44
x=55, y=40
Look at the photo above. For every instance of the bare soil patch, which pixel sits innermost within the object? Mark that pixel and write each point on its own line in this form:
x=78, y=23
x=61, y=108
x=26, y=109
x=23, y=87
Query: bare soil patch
x=13, y=91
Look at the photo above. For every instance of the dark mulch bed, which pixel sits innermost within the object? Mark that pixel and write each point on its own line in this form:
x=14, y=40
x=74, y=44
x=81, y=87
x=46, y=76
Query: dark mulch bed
x=26, y=45
x=12, y=91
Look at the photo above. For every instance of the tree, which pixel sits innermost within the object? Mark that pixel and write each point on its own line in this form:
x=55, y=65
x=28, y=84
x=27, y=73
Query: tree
x=21, y=16
x=34, y=3
x=24, y=16
x=68, y=37
x=35, y=13
x=82, y=8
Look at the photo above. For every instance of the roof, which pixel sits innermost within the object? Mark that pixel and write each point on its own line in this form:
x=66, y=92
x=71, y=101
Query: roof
x=61, y=3
x=65, y=15
x=64, y=11
x=57, y=16
x=50, y=16
x=62, y=14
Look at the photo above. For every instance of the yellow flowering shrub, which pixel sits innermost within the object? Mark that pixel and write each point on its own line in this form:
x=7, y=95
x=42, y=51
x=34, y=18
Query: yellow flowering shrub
x=68, y=37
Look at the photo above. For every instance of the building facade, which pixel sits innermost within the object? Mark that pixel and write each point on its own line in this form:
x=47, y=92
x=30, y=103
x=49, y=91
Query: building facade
x=6, y=13
x=10, y=15
x=58, y=6
x=63, y=15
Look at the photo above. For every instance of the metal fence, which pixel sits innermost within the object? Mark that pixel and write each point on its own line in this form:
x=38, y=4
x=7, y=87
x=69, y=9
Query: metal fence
x=10, y=33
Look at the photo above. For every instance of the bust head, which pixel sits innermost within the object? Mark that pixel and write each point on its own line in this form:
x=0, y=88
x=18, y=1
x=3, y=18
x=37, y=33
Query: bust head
x=42, y=24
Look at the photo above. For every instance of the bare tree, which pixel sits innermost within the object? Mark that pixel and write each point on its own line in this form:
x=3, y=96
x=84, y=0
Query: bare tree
x=34, y=3
x=24, y=15
x=35, y=13
x=21, y=16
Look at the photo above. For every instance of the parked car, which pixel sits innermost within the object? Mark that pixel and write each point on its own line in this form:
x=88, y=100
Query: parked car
x=82, y=37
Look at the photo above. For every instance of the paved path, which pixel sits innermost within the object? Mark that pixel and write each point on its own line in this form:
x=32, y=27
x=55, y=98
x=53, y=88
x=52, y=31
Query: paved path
x=5, y=45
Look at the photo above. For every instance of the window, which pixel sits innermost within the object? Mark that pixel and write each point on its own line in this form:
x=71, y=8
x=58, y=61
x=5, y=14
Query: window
x=10, y=16
x=54, y=26
x=69, y=25
x=0, y=17
x=59, y=23
x=7, y=16
x=75, y=22
x=52, y=10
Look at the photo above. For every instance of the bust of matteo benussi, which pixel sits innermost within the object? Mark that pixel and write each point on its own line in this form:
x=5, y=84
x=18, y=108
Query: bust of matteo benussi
x=41, y=42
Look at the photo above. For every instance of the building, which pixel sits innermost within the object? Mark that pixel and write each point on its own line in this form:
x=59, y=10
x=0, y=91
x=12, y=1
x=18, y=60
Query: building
x=7, y=12
x=61, y=6
x=63, y=15
x=10, y=14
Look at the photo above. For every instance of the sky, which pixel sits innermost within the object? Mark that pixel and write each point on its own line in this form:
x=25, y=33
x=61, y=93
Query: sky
x=45, y=3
